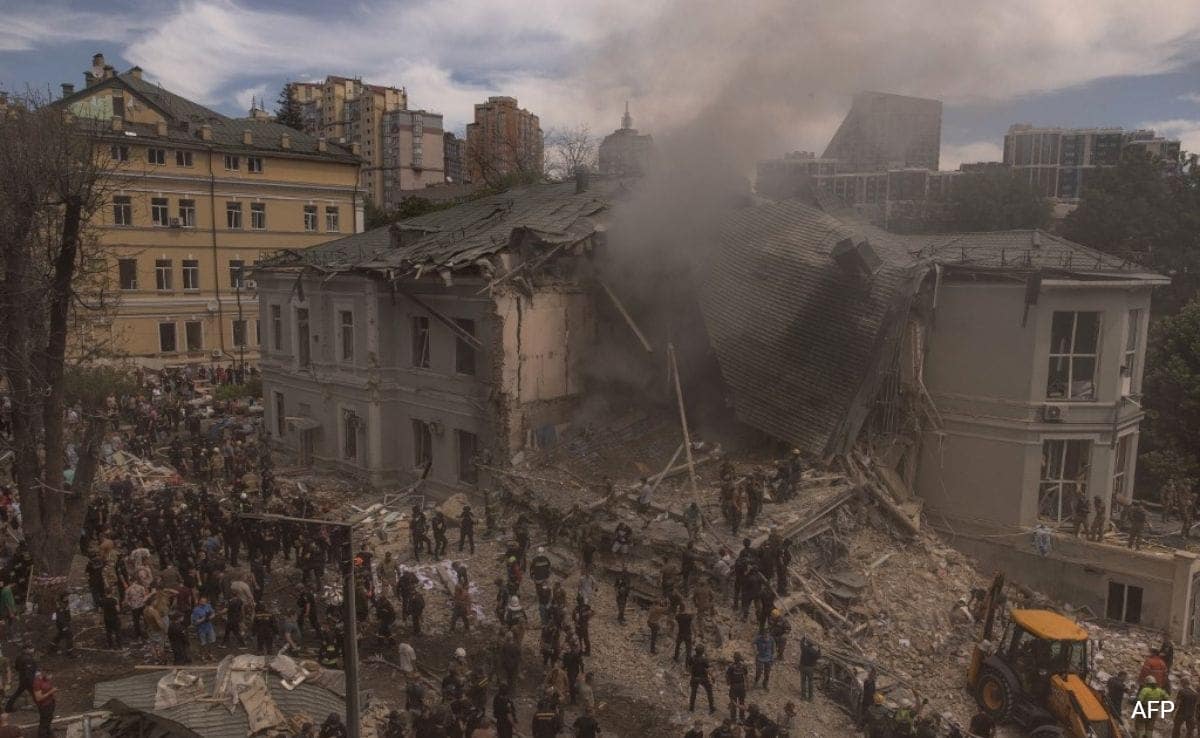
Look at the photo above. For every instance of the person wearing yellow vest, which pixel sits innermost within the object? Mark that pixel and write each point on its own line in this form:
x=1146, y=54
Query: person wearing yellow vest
x=1148, y=694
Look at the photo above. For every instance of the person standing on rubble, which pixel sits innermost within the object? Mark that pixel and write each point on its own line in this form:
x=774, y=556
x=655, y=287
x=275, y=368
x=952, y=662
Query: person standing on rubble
x=737, y=677
x=645, y=495
x=658, y=611
x=1137, y=524
x=1080, y=512
x=466, y=529
x=438, y=526
x=737, y=508
x=416, y=531
x=622, y=587
x=764, y=657
x=779, y=627
x=1186, y=702
x=683, y=632
x=755, y=492
x=810, y=655
x=699, y=668
x=265, y=630
x=1096, y=530
x=416, y=606
x=1150, y=696
x=43, y=696
x=461, y=607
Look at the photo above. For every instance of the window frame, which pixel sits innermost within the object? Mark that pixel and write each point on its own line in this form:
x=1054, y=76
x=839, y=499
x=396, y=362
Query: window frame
x=1123, y=458
x=192, y=266
x=1064, y=489
x=258, y=213
x=174, y=337
x=280, y=409
x=310, y=226
x=187, y=213
x=237, y=274
x=233, y=163
x=184, y=158
x=233, y=216
x=160, y=212
x=345, y=336
x=156, y=156
x=1123, y=610
x=468, y=473
x=420, y=350
x=1071, y=355
x=303, y=342
x=122, y=263
x=187, y=336
x=233, y=332
x=118, y=152
x=349, y=422
x=422, y=443
x=164, y=275
x=464, y=352
x=276, y=313
x=333, y=224
x=1129, y=356
x=122, y=210
x=254, y=164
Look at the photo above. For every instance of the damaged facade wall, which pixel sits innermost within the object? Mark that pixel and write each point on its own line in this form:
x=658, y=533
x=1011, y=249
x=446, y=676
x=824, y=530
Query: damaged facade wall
x=985, y=468
x=525, y=375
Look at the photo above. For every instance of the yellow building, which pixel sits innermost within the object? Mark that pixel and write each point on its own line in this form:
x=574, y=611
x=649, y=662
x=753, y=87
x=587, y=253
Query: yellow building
x=390, y=138
x=198, y=198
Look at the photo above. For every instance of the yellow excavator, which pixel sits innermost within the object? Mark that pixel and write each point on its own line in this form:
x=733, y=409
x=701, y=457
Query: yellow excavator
x=1035, y=674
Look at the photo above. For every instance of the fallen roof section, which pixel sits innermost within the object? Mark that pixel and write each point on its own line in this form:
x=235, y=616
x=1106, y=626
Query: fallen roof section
x=461, y=236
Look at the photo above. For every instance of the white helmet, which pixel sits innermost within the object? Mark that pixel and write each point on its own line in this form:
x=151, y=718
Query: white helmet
x=460, y=653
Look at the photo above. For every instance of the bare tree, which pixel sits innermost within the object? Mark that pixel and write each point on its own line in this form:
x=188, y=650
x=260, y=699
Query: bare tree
x=504, y=162
x=53, y=180
x=568, y=150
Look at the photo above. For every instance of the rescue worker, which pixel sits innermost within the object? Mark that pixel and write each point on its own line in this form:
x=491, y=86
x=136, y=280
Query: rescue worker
x=466, y=530
x=764, y=658
x=622, y=588
x=416, y=529
x=736, y=676
x=810, y=655
x=438, y=526
x=1137, y=524
x=698, y=666
x=1150, y=692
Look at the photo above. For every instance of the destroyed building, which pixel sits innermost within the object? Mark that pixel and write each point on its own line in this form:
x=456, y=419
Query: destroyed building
x=413, y=350
x=990, y=377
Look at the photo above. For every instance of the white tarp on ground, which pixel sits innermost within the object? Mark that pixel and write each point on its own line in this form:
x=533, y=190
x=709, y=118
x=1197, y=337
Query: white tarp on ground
x=176, y=688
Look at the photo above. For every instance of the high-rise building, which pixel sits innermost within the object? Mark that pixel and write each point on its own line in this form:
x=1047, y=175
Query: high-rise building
x=196, y=199
x=1058, y=160
x=348, y=110
x=413, y=156
x=884, y=131
x=504, y=140
x=625, y=152
x=452, y=156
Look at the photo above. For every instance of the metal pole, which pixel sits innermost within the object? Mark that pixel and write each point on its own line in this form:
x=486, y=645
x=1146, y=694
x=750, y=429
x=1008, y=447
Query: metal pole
x=350, y=649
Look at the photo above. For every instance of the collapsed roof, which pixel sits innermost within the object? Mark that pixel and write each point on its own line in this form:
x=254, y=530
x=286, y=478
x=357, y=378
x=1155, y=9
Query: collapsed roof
x=468, y=234
x=805, y=311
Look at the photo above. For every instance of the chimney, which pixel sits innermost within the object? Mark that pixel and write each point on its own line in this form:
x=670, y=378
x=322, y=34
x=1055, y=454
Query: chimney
x=98, y=61
x=89, y=79
x=247, y=137
x=118, y=124
x=581, y=179
x=285, y=141
x=856, y=259
x=68, y=89
x=321, y=145
x=110, y=71
x=206, y=132
x=161, y=128
x=355, y=148
x=136, y=72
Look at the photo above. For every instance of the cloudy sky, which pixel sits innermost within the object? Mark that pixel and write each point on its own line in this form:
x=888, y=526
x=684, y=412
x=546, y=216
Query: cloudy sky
x=774, y=75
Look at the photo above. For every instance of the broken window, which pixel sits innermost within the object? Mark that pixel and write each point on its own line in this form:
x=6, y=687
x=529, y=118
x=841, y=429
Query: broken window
x=467, y=446
x=349, y=435
x=1133, y=339
x=1121, y=459
x=1074, y=344
x=303, y=349
x=1124, y=603
x=1065, y=466
x=464, y=352
x=422, y=444
x=420, y=342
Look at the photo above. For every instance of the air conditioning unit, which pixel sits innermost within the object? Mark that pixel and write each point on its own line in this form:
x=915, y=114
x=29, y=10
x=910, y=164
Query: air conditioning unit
x=1053, y=413
x=176, y=223
x=250, y=284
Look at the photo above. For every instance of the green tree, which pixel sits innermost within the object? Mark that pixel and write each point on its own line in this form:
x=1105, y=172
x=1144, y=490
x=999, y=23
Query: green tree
x=287, y=109
x=995, y=200
x=1148, y=211
x=1171, y=390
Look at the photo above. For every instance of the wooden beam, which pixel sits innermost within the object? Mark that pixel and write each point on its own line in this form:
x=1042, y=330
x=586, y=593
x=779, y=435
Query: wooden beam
x=687, y=437
x=625, y=314
x=455, y=328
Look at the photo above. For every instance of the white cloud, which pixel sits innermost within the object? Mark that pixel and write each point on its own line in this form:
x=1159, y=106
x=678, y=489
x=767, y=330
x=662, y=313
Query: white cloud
x=25, y=30
x=771, y=74
x=1184, y=129
x=251, y=95
x=1189, y=97
x=955, y=154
